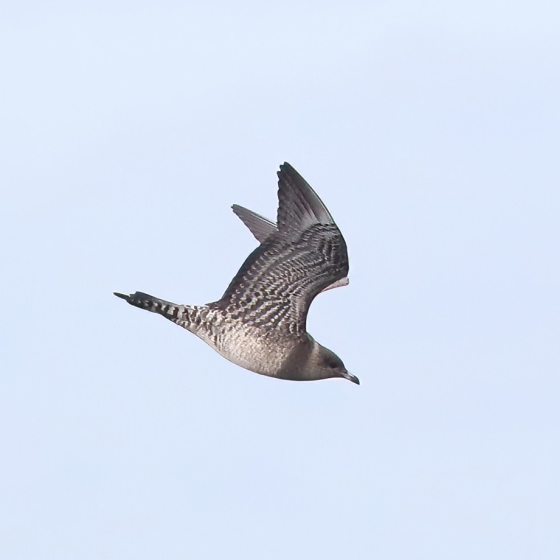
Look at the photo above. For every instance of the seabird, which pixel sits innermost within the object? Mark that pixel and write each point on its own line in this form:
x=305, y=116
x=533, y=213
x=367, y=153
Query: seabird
x=260, y=321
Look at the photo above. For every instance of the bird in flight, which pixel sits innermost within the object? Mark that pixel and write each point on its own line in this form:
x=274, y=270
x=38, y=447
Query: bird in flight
x=260, y=321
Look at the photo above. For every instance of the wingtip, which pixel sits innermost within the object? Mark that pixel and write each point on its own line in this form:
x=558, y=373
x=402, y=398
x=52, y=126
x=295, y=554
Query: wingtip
x=299, y=205
x=285, y=168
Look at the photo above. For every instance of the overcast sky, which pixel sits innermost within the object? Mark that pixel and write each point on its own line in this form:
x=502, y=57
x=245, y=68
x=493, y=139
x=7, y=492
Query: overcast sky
x=432, y=132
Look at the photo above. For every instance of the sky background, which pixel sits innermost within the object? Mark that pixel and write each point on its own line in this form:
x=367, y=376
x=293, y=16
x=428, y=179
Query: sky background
x=432, y=132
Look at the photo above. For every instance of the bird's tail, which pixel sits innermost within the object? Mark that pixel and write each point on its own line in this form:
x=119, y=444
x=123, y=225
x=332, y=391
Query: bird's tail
x=179, y=314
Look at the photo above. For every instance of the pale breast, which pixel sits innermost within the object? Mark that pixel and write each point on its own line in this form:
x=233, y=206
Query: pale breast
x=258, y=350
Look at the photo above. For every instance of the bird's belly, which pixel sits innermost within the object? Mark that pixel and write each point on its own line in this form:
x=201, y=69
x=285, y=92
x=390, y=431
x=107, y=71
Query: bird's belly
x=256, y=351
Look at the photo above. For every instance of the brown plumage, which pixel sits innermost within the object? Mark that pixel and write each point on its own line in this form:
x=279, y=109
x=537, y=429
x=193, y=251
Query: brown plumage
x=260, y=321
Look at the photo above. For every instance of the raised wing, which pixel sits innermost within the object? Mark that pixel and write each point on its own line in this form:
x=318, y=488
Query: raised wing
x=260, y=226
x=279, y=280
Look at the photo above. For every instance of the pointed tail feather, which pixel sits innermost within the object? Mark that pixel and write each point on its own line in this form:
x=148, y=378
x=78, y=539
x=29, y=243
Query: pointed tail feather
x=169, y=310
x=192, y=318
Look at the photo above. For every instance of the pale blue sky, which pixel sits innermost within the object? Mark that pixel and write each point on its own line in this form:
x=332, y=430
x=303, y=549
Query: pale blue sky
x=432, y=132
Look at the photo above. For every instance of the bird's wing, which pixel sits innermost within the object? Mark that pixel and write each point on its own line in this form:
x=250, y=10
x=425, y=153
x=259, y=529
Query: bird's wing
x=260, y=226
x=279, y=280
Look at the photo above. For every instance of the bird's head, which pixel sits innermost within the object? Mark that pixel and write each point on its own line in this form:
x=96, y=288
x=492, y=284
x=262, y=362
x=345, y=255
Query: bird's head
x=330, y=365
